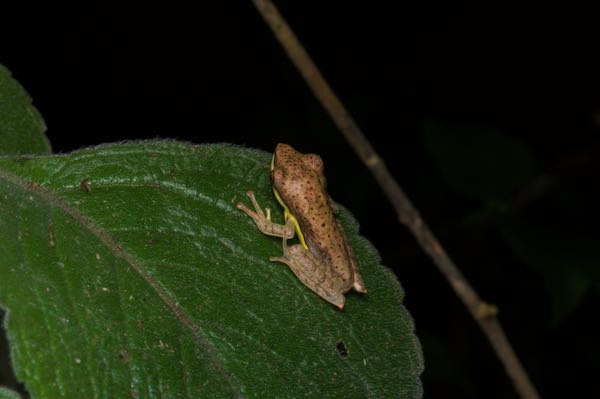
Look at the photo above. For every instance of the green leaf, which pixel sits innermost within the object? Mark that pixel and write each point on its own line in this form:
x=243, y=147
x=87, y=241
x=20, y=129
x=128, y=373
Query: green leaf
x=479, y=162
x=6, y=393
x=127, y=271
x=21, y=126
x=567, y=262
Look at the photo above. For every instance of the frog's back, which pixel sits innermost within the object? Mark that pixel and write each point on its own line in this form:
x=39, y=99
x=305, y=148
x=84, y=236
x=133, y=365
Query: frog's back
x=320, y=229
x=300, y=182
x=324, y=237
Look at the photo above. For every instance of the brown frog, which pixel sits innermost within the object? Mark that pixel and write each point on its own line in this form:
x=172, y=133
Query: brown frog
x=324, y=260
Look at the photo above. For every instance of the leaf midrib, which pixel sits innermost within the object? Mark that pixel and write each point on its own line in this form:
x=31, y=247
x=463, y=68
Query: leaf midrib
x=119, y=252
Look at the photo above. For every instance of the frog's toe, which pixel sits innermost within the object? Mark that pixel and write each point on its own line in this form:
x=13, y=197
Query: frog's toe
x=337, y=300
x=360, y=287
x=242, y=207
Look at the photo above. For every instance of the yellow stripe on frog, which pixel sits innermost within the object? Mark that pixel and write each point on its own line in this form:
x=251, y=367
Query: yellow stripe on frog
x=287, y=214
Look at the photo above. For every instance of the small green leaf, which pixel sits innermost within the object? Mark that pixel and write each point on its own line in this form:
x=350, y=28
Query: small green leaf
x=128, y=271
x=6, y=393
x=479, y=162
x=21, y=126
x=568, y=263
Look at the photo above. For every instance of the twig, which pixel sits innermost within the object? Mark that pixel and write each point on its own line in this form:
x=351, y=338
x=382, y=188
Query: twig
x=484, y=313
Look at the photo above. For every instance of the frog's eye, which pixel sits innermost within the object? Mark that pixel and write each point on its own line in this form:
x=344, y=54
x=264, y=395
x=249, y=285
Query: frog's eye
x=314, y=162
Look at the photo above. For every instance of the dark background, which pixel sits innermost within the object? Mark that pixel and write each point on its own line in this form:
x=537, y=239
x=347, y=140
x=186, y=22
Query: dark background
x=488, y=116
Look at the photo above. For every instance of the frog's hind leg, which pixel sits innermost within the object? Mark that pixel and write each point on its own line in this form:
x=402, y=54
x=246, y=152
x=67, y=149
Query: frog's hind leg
x=359, y=284
x=263, y=221
x=306, y=268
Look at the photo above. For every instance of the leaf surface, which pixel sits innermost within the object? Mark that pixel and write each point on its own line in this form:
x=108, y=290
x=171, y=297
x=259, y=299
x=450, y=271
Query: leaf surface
x=479, y=162
x=127, y=271
x=568, y=262
x=6, y=393
x=21, y=126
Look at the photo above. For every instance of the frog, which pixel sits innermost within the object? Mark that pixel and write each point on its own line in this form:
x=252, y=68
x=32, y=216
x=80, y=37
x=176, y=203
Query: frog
x=323, y=260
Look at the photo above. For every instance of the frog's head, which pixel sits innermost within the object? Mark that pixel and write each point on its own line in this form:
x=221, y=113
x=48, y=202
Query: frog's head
x=290, y=168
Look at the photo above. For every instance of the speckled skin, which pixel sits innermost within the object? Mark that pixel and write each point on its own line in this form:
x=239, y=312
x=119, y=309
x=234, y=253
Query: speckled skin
x=300, y=182
x=326, y=264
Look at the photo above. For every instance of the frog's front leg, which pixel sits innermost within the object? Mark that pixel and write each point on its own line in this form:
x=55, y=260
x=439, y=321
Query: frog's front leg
x=263, y=222
x=311, y=273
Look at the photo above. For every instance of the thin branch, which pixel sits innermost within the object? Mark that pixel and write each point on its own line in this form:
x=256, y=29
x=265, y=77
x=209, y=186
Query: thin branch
x=482, y=312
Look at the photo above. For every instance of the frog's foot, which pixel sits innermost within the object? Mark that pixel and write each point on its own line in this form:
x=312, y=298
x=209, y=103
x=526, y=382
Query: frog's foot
x=359, y=285
x=263, y=219
x=258, y=214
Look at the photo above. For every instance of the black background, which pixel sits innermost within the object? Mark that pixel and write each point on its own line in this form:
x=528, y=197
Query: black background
x=213, y=72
